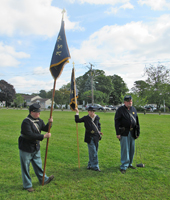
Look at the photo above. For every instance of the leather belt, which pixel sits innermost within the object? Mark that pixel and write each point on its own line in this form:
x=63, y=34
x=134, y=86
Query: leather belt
x=129, y=129
x=124, y=128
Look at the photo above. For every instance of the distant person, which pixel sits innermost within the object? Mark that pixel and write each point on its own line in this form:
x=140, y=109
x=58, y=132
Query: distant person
x=29, y=146
x=127, y=130
x=92, y=136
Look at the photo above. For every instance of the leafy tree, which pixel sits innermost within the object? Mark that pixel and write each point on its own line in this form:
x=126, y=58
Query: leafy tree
x=104, y=84
x=140, y=93
x=49, y=94
x=120, y=89
x=66, y=87
x=99, y=97
x=167, y=96
x=35, y=94
x=87, y=85
x=43, y=94
x=141, y=88
x=158, y=79
x=138, y=101
x=98, y=72
x=7, y=92
x=86, y=96
x=19, y=100
x=83, y=82
x=62, y=97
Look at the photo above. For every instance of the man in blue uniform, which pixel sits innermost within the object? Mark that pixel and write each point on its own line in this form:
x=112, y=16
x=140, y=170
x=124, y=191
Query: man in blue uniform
x=29, y=146
x=127, y=130
x=92, y=135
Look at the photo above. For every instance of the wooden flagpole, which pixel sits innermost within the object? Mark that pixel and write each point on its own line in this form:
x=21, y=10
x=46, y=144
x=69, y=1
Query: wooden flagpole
x=49, y=127
x=78, y=146
x=76, y=123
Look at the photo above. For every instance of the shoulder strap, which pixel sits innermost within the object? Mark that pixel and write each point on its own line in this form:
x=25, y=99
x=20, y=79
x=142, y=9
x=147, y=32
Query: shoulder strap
x=131, y=115
x=36, y=125
x=96, y=128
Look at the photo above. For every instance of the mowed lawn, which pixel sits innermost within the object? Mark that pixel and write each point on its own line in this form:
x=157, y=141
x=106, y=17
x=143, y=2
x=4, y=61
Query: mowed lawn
x=70, y=182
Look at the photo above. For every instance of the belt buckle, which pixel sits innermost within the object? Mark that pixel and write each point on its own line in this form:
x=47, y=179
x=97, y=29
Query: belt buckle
x=92, y=132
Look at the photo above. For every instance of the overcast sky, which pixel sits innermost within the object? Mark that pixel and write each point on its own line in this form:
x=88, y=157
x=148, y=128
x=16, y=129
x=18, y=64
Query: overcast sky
x=121, y=37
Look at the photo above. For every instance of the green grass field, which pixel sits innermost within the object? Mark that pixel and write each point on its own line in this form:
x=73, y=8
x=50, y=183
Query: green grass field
x=70, y=182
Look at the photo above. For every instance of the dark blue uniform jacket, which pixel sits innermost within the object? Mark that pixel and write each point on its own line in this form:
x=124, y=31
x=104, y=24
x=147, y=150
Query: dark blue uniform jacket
x=30, y=138
x=123, y=119
x=90, y=128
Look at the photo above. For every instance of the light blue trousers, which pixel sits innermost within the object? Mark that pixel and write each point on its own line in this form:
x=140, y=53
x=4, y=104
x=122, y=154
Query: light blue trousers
x=127, y=144
x=35, y=159
x=93, y=157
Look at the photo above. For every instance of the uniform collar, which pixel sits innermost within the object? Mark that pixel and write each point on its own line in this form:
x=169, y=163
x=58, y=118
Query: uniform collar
x=127, y=108
x=93, y=117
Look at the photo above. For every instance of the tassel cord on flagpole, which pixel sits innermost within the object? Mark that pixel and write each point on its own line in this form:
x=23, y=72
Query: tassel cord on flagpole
x=49, y=127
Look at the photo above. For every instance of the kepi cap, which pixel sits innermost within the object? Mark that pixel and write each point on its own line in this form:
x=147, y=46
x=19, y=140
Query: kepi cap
x=91, y=108
x=35, y=107
x=127, y=98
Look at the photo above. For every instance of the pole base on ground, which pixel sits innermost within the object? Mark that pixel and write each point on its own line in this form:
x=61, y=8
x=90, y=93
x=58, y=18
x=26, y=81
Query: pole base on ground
x=140, y=165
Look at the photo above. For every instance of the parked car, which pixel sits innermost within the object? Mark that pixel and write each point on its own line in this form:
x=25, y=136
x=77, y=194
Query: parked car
x=150, y=108
x=107, y=108
x=96, y=106
x=112, y=107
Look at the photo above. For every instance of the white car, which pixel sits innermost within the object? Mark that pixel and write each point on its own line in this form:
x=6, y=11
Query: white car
x=112, y=107
x=106, y=108
x=95, y=106
x=150, y=108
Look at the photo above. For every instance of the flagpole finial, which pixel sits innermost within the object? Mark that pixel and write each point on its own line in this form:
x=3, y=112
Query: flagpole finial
x=63, y=11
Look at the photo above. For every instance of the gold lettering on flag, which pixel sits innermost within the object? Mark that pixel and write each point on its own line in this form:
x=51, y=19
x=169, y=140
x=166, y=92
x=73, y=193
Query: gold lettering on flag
x=58, y=53
x=59, y=46
x=59, y=38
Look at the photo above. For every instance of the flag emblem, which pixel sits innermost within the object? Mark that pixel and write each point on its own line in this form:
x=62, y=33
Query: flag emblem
x=61, y=54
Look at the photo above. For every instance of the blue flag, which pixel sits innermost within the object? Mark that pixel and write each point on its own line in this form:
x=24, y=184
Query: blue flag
x=61, y=54
x=73, y=92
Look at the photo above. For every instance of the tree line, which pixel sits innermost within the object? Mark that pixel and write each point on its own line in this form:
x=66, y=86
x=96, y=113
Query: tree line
x=108, y=90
